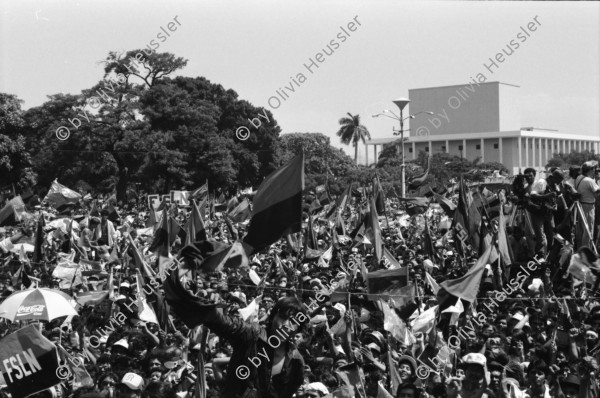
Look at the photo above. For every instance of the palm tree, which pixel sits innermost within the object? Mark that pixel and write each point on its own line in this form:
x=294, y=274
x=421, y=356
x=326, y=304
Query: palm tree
x=351, y=131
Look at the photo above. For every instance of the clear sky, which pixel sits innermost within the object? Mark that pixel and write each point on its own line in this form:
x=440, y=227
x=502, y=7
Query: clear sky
x=258, y=47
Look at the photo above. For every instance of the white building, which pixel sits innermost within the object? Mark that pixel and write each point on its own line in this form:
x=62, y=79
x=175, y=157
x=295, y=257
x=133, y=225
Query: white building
x=480, y=120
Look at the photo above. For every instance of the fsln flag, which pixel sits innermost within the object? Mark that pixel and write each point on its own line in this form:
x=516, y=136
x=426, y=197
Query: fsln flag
x=29, y=362
x=277, y=205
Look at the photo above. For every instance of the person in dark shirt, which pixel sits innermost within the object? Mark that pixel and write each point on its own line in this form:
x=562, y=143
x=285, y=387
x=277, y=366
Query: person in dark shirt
x=264, y=362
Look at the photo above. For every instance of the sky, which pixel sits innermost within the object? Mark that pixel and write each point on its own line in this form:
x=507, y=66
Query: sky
x=259, y=47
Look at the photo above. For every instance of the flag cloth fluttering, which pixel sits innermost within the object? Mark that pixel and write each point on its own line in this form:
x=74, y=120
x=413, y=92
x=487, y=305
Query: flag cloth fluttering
x=60, y=196
x=195, y=228
x=445, y=204
x=241, y=212
x=373, y=231
x=467, y=286
x=277, y=205
x=12, y=213
x=460, y=223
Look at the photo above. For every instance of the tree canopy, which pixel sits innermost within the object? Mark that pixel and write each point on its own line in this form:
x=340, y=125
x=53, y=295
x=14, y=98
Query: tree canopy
x=139, y=125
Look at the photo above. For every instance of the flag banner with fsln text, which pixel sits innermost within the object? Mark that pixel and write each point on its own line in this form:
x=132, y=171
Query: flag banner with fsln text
x=28, y=361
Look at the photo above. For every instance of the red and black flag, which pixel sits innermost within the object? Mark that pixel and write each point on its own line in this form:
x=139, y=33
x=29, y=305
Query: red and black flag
x=460, y=223
x=161, y=241
x=277, y=205
x=195, y=228
x=445, y=203
x=379, y=196
x=373, y=232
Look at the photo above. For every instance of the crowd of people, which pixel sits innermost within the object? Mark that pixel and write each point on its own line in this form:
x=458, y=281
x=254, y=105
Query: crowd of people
x=302, y=318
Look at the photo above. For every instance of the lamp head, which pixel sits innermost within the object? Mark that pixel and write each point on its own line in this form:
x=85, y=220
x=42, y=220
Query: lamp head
x=401, y=102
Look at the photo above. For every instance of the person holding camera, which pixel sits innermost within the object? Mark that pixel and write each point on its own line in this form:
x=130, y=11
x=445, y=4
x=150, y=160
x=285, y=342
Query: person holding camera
x=543, y=195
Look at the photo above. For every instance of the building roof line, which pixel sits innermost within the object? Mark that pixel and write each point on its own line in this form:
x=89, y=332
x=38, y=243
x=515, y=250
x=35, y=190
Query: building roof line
x=463, y=85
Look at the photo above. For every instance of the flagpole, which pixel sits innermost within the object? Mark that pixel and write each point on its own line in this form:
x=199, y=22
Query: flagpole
x=384, y=206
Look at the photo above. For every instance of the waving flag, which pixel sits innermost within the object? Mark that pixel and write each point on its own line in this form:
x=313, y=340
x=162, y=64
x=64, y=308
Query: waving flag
x=60, y=196
x=145, y=311
x=445, y=204
x=373, y=232
x=196, y=231
x=200, y=193
x=241, y=212
x=29, y=362
x=467, y=286
x=277, y=205
x=12, y=213
x=460, y=222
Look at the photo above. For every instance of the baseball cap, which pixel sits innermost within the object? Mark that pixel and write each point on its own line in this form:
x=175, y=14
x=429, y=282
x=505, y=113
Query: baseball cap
x=133, y=381
x=122, y=343
x=475, y=359
x=317, y=386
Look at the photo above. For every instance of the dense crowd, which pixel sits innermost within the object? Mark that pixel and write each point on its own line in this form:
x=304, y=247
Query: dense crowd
x=302, y=318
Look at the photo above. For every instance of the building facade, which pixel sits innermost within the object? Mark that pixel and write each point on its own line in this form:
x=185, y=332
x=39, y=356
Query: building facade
x=480, y=120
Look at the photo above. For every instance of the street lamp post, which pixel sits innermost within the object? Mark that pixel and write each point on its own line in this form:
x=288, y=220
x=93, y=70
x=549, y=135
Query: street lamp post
x=401, y=103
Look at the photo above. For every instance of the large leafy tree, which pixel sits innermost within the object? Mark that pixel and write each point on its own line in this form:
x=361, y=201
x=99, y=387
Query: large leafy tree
x=139, y=125
x=202, y=119
x=15, y=162
x=107, y=137
x=351, y=131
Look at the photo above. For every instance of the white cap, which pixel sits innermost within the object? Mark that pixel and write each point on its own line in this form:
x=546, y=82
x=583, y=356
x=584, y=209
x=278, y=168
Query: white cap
x=317, y=386
x=535, y=285
x=122, y=343
x=133, y=381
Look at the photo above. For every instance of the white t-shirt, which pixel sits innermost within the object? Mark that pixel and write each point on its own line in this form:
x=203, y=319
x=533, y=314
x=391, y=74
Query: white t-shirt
x=586, y=187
